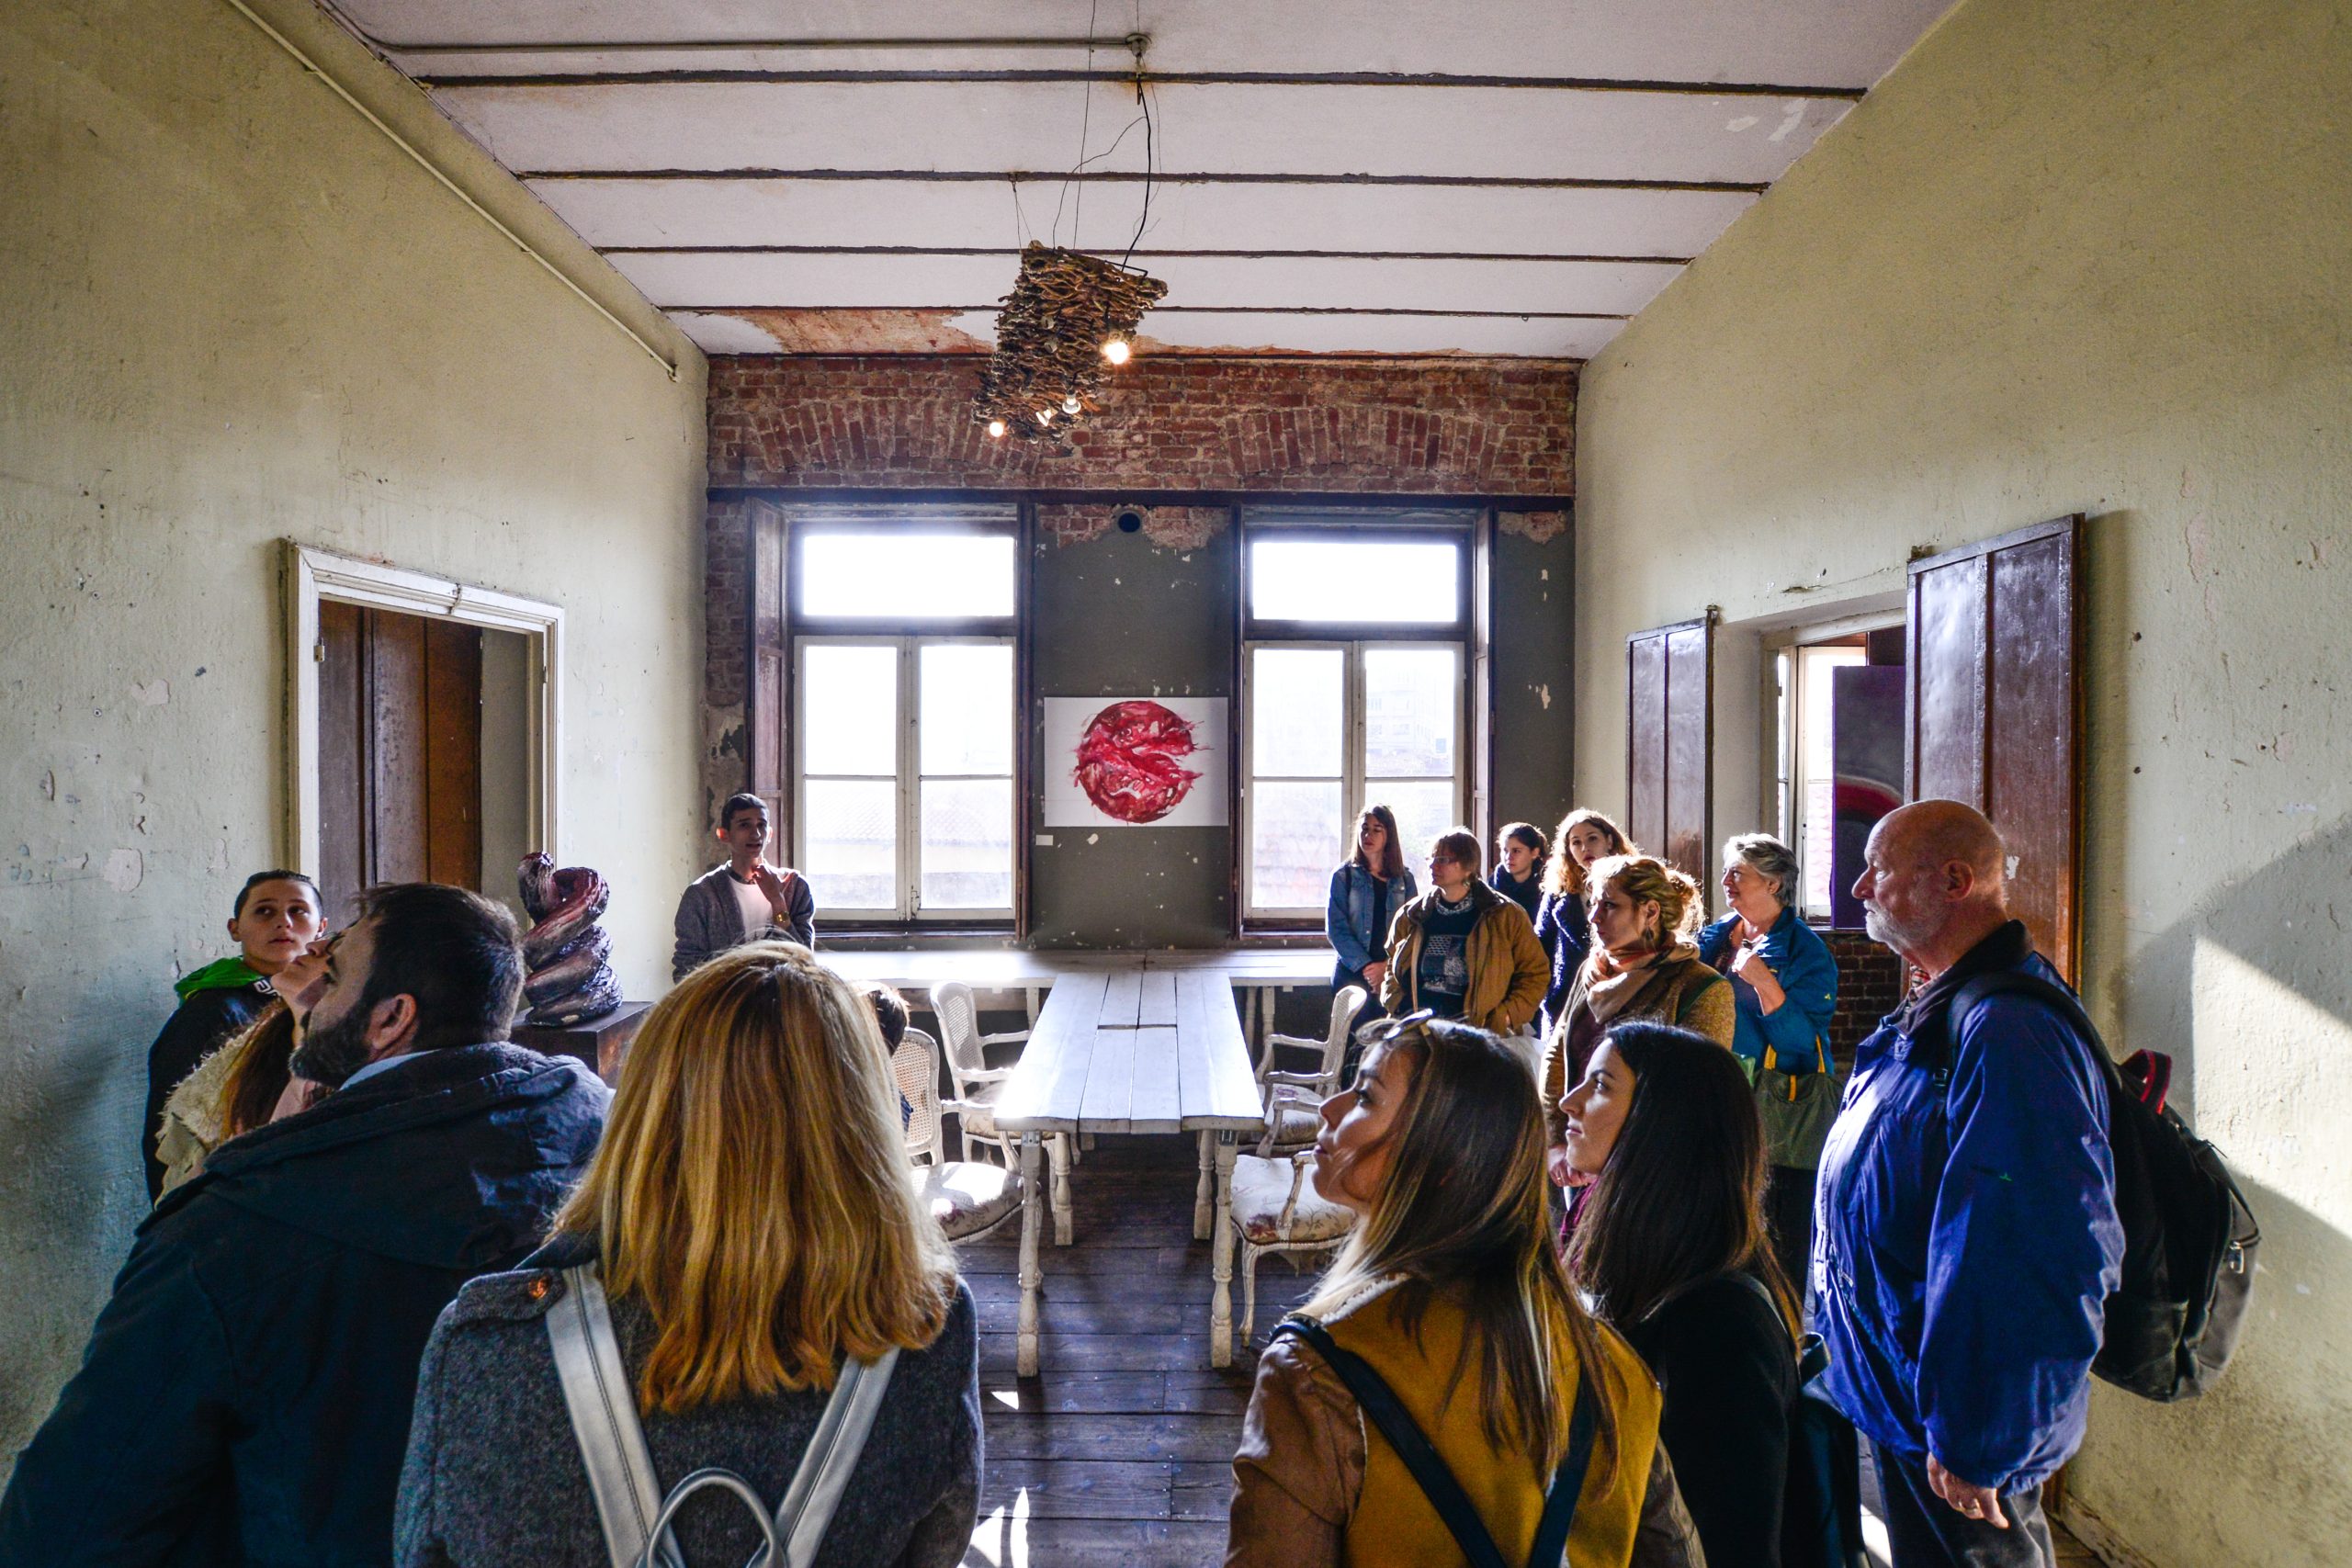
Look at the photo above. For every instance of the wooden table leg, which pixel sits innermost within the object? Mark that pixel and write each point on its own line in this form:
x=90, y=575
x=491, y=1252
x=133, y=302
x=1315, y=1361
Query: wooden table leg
x=1024, y=1359
x=1060, y=1152
x=1221, y=1258
x=1203, y=1193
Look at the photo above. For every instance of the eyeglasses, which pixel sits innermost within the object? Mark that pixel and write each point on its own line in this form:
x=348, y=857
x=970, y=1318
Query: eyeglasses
x=1443, y=860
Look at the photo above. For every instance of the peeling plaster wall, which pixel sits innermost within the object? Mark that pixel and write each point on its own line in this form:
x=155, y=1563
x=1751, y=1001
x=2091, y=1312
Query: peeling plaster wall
x=2080, y=258
x=237, y=313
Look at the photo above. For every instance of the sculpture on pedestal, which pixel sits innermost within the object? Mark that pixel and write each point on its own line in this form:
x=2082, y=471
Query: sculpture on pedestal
x=568, y=981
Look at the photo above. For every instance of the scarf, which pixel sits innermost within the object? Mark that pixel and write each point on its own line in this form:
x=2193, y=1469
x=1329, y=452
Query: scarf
x=222, y=975
x=1611, y=984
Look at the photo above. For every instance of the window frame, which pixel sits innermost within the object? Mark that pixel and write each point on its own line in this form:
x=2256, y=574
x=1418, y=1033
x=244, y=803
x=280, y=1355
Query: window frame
x=1785, y=664
x=908, y=634
x=1466, y=532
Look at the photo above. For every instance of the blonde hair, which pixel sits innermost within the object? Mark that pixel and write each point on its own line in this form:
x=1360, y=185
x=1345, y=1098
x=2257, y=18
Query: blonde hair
x=751, y=1187
x=1464, y=1211
x=1561, y=873
x=1646, y=879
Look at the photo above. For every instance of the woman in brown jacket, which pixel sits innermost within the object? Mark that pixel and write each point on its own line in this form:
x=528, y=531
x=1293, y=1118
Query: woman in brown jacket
x=1451, y=1291
x=1643, y=964
x=1461, y=949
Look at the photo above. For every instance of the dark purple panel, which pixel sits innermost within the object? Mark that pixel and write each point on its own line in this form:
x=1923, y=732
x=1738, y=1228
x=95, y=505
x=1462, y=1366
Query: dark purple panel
x=1866, y=752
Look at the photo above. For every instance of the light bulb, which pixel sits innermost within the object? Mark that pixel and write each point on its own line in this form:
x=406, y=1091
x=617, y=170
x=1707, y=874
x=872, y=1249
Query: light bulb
x=1045, y=416
x=1070, y=404
x=996, y=429
x=1115, y=350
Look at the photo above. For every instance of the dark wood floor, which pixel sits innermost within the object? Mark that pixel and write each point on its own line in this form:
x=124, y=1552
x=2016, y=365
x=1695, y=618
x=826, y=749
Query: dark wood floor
x=1120, y=1451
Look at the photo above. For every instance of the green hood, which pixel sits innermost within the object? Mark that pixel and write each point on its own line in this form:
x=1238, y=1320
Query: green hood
x=227, y=975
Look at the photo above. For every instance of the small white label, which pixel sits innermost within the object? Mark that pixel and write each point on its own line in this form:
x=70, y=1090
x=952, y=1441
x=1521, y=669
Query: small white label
x=1045, y=840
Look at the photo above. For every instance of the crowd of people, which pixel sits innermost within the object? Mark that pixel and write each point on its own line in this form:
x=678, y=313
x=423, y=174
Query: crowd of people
x=1629, y=1280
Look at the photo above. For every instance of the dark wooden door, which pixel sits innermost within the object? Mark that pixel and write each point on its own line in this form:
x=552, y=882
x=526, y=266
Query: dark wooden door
x=1669, y=743
x=1994, y=710
x=399, y=750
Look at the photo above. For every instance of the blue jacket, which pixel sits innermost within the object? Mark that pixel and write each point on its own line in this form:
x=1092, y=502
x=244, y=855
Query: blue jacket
x=1965, y=1236
x=246, y=1395
x=1565, y=931
x=1801, y=962
x=1348, y=921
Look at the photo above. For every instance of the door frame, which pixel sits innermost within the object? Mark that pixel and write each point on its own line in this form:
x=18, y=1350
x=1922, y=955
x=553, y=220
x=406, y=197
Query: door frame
x=311, y=575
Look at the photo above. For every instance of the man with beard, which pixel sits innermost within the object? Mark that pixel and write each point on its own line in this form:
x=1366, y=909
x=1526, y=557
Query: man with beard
x=1965, y=1231
x=245, y=1395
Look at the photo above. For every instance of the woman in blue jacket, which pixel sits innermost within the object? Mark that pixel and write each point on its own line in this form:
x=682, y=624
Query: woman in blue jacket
x=1366, y=893
x=1784, y=990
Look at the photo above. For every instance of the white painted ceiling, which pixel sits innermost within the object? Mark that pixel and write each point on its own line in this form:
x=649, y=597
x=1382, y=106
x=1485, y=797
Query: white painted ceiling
x=1369, y=176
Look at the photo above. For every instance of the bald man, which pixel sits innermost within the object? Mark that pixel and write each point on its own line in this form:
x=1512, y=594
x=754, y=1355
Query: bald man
x=1966, y=1234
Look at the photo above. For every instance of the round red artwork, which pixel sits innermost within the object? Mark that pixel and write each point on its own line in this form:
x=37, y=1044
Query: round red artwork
x=1130, y=761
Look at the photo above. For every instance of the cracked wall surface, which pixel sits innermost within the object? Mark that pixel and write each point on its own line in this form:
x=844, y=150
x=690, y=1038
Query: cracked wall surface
x=2087, y=259
x=239, y=314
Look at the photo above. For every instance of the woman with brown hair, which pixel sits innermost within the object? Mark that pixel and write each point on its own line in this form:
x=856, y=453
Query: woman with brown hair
x=1642, y=966
x=1672, y=1249
x=1461, y=949
x=1367, y=890
x=232, y=1091
x=750, y=1219
x=1451, y=1297
x=1561, y=925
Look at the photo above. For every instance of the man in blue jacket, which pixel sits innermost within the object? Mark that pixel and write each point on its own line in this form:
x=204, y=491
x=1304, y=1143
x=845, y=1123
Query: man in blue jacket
x=1966, y=1234
x=246, y=1395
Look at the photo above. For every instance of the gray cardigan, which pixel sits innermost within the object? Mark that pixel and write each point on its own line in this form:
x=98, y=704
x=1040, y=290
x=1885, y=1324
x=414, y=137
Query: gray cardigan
x=710, y=921
x=494, y=1477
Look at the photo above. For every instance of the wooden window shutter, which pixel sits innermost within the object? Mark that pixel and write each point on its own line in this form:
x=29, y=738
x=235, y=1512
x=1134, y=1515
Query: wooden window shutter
x=769, y=664
x=1669, y=743
x=1994, y=715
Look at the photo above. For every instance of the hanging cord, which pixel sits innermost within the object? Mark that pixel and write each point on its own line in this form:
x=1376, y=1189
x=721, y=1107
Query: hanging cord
x=1085, y=123
x=1136, y=41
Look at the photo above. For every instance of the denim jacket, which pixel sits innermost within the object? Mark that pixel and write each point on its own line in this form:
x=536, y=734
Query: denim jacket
x=1801, y=963
x=1965, y=1236
x=1348, y=921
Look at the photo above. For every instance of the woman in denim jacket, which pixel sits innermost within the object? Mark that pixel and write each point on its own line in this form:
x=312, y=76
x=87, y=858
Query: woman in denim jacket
x=1366, y=893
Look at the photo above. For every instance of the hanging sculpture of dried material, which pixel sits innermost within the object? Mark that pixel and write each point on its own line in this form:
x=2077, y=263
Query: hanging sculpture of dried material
x=1053, y=339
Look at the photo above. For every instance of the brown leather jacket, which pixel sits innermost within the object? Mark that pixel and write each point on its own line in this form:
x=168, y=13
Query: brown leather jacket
x=1300, y=1471
x=1509, y=973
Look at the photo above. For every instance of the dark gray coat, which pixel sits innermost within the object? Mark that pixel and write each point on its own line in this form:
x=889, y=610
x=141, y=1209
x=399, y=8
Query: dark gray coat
x=710, y=921
x=494, y=1477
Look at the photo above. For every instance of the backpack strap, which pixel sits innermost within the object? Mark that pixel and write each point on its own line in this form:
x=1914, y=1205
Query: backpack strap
x=630, y=1507
x=832, y=1456
x=1380, y=1403
x=604, y=1420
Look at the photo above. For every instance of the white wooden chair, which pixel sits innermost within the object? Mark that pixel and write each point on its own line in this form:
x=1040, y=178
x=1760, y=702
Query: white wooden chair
x=1276, y=1209
x=977, y=1084
x=968, y=1197
x=1294, y=1102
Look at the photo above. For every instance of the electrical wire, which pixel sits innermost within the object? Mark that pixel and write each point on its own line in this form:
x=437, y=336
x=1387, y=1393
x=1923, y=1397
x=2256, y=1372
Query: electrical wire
x=1085, y=123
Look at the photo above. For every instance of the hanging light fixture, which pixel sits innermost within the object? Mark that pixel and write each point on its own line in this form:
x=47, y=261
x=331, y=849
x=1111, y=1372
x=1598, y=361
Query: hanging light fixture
x=1069, y=322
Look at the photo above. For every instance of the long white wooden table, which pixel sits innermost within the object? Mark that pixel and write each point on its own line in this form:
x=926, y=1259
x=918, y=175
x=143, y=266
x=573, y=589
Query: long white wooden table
x=1137, y=1049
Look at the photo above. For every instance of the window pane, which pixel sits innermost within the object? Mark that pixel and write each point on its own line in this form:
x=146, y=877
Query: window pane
x=1294, y=840
x=905, y=573
x=851, y=840
x=967, y=844
x=1296, y=698
x=966, y=724
x=1412, y=699
x=1403, y=581
x=1424, y=808
x=849, y=709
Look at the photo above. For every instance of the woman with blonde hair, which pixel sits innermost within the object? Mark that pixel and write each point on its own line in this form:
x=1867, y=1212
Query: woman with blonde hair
x=1643, y=964
x=1583, y=837
x=1445, y=1383
x=750, y=1219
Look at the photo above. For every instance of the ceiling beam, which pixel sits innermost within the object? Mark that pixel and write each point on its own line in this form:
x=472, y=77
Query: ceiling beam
x=1014, y=250
x=1116, y=177
x=1129, y=78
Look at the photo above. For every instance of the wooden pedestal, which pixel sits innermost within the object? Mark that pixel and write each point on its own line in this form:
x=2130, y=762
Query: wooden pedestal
x=602, y=1045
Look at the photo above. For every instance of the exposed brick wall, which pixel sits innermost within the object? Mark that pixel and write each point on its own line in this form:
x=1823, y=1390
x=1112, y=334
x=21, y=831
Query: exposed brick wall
x=1870, y=986
x=1419, y=428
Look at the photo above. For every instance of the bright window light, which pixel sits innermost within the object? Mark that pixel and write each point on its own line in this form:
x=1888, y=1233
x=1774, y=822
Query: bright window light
x=905, y=574
x=1362, y=582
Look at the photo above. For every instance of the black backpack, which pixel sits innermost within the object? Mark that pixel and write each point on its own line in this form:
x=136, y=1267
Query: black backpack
x=2189, y=1236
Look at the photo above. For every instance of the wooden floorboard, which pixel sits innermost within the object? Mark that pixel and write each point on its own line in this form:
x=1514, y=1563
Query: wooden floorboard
x=1118, y=1455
